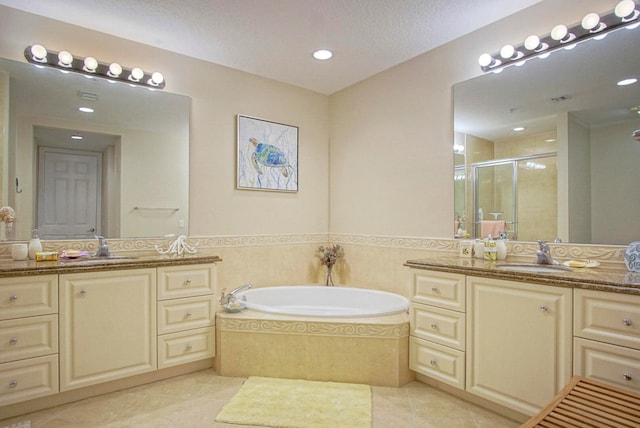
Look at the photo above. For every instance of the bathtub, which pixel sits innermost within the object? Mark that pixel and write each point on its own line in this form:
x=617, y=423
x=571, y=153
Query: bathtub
x=334, y=334
x=323, y=301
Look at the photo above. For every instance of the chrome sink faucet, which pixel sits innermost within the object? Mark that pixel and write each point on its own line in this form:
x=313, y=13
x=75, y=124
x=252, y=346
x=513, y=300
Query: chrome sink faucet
x=544, y=254
x=226, y=299
x=103, y=248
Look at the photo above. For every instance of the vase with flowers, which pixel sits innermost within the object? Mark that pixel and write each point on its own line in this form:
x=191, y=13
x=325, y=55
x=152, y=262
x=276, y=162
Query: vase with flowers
x=329, y=255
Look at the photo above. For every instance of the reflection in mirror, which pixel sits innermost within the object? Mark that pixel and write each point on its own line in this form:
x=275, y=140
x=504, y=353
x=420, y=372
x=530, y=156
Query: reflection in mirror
x=126, y=177
x=572, y=171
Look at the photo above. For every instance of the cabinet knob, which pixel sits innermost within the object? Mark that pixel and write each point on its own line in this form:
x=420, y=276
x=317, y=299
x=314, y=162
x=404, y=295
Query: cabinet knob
x=433, y=362
x=627, y=376
x=13, y=341
x=434, y=326
x=544, y=308
x=627, y=322
x=189, y=347
x=13, y=384
x=188, y=315
x=83, y=292
x=188, y=281
x=13, y=298
x=434, y=289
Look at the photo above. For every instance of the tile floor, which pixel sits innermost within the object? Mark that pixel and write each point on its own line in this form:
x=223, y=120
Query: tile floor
x=195, y=399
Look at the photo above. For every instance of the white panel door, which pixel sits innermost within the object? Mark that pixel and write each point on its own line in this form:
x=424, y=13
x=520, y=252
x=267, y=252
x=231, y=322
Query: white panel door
x=69, y=193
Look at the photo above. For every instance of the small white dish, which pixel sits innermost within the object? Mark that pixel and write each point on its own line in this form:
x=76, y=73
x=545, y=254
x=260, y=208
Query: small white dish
x=578, y=263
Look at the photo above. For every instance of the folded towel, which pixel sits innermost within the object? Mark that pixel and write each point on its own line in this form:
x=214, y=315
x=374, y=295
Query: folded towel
x=492, y=227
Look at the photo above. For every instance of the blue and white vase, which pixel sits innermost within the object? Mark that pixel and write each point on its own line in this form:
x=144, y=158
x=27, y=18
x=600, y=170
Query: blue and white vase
x=632, y=257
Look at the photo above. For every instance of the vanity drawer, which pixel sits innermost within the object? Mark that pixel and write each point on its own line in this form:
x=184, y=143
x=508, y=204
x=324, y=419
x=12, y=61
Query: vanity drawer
x=609, y=363
x=187, y=346
x=436, y=361
x=442, y=289
x=442, y=326
x=185, y=281
x=28, y=296
x=608, y=317
x=28, y=337
x=183, y=314
x=28, y=379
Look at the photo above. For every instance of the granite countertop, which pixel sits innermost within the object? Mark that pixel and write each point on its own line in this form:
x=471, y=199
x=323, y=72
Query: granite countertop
x=10, y=268
x=605, y=277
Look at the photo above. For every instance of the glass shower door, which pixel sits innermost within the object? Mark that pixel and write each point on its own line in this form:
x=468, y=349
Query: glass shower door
x=495, y=199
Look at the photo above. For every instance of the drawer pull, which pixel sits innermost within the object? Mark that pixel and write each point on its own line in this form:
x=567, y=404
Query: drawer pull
x=434, y=289
x=544, y=308
x=13, y=341
x=433, y=362
x=627, y=322
x=13, y=384
x=188, y=315
x=189, y=348
x=434, y=326
x=627, y=376
x=13, y=298
x=188, y=281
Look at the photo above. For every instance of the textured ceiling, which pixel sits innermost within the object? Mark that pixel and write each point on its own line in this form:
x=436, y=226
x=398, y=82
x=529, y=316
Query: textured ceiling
x=275, y=38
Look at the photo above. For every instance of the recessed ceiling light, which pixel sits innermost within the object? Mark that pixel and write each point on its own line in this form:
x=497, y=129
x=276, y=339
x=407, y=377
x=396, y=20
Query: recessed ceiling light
x=85, y=109
x=550, y=140
x=626, y=82
x=519, y=128
x=77, y=137
x=322, y=54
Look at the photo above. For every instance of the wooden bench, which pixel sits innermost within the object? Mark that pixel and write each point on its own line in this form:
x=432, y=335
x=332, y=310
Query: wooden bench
x=587, y=403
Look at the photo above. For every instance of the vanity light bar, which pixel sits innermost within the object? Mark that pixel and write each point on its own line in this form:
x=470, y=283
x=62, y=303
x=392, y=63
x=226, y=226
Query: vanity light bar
x=89, y=66
x=625, y=15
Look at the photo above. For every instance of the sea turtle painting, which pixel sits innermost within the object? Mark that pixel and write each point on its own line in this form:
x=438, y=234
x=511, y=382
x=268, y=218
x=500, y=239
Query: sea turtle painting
x=268, y=156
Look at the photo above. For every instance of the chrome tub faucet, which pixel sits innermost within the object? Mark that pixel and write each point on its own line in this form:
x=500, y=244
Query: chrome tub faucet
x=226, y=299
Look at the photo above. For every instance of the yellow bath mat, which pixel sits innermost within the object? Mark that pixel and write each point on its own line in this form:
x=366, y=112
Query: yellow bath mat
x=288, y=403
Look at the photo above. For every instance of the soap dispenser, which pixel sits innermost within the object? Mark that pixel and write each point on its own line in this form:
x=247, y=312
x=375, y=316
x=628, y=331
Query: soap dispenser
x=35, y=246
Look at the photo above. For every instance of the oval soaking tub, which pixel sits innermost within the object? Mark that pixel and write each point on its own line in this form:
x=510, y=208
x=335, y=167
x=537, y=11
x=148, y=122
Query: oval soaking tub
x=323, y=301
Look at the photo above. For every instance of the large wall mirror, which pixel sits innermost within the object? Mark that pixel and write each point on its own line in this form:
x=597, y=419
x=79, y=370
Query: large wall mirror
x=127, y=177
x=545, y=150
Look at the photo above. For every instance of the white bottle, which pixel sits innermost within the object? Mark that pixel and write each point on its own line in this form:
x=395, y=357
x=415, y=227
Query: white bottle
x=35, y=246
x=501, y=249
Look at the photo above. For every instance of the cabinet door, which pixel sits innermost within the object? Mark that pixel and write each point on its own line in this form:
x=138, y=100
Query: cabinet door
x=519, y=341
x=108, y=326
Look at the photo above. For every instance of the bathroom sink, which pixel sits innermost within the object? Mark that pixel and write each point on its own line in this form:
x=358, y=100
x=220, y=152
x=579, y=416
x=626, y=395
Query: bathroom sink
x=97, y=260
x=533, y=268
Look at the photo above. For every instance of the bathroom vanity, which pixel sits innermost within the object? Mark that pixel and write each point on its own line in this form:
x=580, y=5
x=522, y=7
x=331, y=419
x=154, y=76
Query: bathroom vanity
x=78, y=328
x=514, y=339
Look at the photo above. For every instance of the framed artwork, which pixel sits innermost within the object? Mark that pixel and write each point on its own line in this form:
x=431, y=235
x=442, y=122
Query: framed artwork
x=267, y=155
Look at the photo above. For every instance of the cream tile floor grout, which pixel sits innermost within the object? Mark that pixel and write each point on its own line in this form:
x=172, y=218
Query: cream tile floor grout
x=195, y=399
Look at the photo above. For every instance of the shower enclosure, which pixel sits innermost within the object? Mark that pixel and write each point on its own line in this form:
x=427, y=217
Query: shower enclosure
x=521, y=192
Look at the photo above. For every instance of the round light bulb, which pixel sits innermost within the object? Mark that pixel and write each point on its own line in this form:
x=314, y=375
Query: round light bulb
x=38, y=53
x=532, y=42
x=625, y=8
x=559, y=32
x=65, y=58
x=137, y=74
x=485, y=60
x=90, y=64
x=322, y=54
x=157, y=78
x=507, y=51
x=590, y=21
x=115, y=69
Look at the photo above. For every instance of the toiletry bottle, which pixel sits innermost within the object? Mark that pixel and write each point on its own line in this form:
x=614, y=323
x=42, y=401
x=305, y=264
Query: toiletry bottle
x=501, y=249
x=490, y=250
x=478, y=249
x=35, y=246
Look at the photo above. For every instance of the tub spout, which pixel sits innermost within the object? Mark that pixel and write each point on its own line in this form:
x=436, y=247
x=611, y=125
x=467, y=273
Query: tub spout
x=226, y=299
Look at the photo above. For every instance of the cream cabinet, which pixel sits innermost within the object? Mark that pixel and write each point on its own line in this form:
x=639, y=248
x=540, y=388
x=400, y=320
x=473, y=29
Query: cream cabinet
x=186, y=314
x=519, y=351
x=108, y=326
x=28, y=337
x=437, y=343
x=607, y=337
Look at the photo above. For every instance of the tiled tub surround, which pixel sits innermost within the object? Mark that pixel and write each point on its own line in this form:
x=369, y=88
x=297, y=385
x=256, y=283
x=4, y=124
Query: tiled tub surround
x=372, y=351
